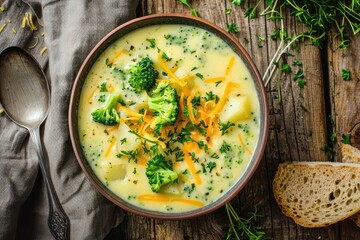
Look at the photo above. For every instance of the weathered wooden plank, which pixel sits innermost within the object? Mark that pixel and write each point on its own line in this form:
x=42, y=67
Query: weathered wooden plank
x=345, y=103
x=288, y=138
x=295, y=134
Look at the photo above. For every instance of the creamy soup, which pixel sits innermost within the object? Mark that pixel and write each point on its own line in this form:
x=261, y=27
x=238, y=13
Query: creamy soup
x=208, y=146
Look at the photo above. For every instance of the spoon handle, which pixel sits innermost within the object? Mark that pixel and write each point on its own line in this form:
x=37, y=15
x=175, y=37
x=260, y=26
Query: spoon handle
x=58, y=222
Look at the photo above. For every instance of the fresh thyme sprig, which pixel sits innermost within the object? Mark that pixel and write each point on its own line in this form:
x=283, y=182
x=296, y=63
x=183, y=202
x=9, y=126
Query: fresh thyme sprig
x=241, y=228
x=318, y=16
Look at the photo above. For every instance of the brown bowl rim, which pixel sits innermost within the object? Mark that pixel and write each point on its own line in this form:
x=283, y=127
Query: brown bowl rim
x=156, y=214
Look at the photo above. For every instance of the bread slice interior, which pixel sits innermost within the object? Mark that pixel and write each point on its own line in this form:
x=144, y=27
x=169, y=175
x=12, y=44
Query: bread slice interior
x=317, y=194
x=351, y=154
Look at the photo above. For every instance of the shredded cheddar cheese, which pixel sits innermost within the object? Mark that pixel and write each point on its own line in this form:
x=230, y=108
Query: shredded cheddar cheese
x=43, y=51
x=159, y=198
x=192, y=168
x=35, y=43
x=27, y=21
x=110, y=146
x=229, y=66
x=228, y=89
x=2, y=27
x=214, y=80
x=243, y=144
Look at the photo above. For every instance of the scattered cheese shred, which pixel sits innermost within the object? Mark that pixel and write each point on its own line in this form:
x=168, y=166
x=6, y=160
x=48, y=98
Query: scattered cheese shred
x=192, y=168
x=35, y=43
x=173, y=77
x=112, y=128
x=1, y=110
x=110, y=146
x=43, y=51
x=159, y=198
x=228, y=89
x=27, y=21
x=128, y=111
x=2, y=27
x=181, y=102
x=142, y=160
x=151, y=138
x=243, y=144
x=229, y=66
x=116, y=56
x=110, y=87
x=91, y=96
x=14, y=30
x=2, y=8
x=214, y=80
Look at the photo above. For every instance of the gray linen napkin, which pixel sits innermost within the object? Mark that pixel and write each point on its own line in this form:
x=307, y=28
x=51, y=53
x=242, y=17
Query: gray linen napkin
x=71, y=28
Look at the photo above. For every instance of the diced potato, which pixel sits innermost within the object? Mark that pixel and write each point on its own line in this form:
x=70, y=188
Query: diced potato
x=126, y=141
x=237, y=108
x=113, y=172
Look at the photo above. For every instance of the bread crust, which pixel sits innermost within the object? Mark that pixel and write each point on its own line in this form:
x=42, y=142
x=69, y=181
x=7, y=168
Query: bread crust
x=351, y=154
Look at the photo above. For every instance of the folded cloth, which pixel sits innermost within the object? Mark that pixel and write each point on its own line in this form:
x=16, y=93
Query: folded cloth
x=71, y=28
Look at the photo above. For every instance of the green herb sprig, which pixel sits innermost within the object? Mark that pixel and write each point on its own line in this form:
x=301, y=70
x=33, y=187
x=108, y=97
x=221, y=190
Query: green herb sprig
x=194, y=12
x=241, y=228
x=318, y=16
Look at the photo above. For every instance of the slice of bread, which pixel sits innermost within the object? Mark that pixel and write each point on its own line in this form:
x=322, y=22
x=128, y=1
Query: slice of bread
x=351, y=154
x=317, y=194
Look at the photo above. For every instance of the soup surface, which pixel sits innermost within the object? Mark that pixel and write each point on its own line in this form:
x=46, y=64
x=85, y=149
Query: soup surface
x=190, y=160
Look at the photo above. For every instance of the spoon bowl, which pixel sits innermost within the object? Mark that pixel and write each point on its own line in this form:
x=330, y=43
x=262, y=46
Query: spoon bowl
x=26, y=100
x=25, y=96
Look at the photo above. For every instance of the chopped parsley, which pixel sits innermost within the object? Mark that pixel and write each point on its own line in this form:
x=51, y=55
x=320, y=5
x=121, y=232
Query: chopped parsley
x=232, y=28
x=345, y=75
x=166, y=57
x=152, y=42
x=224, y=127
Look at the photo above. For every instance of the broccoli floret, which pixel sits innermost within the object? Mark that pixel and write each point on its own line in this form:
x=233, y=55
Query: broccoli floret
x=164, y=103
x=159, y=172
x=108, y=115
x=143, y=75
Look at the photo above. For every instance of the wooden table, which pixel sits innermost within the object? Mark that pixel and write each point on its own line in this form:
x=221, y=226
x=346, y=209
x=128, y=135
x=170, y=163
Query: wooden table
x=299, y=126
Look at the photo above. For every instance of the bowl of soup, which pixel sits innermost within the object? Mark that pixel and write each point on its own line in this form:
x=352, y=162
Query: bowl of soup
x=168, y=116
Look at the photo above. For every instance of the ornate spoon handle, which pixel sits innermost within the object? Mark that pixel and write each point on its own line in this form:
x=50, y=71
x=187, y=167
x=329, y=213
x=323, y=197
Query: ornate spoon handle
x=58, y=221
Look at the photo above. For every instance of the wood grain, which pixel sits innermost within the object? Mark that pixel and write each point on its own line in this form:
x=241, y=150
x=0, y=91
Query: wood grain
x=345, y=102
x=295, y=134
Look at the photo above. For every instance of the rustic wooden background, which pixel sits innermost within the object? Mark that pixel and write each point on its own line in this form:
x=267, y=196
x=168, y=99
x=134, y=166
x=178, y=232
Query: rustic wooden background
x=295, y=134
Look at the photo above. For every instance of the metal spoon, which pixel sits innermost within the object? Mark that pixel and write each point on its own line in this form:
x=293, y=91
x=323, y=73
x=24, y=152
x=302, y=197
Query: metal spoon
x=25, y=96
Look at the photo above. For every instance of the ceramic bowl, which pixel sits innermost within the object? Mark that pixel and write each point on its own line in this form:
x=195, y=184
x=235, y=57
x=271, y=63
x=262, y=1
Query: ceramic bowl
x=105, y=43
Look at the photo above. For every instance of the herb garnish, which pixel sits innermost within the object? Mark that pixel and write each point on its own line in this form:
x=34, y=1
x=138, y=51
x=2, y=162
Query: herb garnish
x=164, y=56
x=194, y=12
x=152, y=42
x=345, y=74
x=319, y=17
x=241, y=228
x=224, y=127
x=345, y=138
x=232, y=28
